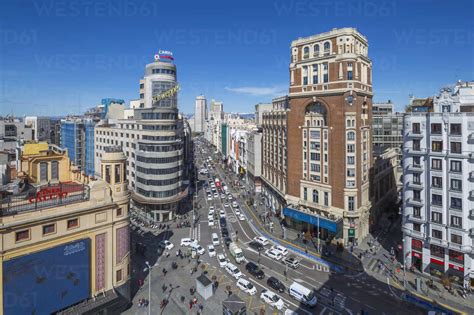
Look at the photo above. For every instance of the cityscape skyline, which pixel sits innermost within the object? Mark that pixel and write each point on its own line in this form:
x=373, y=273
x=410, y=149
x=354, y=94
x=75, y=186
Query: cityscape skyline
x=51, y=70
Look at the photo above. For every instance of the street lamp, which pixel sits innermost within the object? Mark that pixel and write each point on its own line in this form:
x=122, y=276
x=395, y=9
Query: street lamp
x=150, y=268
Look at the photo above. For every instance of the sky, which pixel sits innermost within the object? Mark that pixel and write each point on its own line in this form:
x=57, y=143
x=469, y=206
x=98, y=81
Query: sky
x=61, y=57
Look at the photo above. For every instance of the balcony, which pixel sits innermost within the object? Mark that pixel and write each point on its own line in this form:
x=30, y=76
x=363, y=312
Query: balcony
x=415, y=202
x=414, y=168
x=351, y=214
x=412, y=233
x=417, y=219
x=415, y=185
x=470, y=137
x=471, y=194
x=438, y=242
x=471, y=176
x=414, y=134
x=471, y=232
x=415, y=151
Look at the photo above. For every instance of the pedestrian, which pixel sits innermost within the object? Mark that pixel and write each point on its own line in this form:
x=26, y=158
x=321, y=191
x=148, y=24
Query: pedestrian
x=190, y=304
x=177, y=253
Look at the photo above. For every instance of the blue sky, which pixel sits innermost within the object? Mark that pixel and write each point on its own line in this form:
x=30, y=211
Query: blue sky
x=64, y=56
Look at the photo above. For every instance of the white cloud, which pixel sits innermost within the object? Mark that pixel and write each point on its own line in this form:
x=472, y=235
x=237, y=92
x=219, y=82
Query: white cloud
x=259, y=91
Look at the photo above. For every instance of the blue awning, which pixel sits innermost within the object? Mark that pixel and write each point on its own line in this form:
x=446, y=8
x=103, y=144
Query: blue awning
x=313, y=219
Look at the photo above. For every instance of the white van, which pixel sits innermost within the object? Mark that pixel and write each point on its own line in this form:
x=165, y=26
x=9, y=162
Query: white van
x=233, y=270
x=215, y=239
x=302, y=294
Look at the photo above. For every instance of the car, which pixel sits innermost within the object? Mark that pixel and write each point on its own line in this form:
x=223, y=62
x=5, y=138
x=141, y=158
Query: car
x=227, y=241
x=241, y=217
x=211, y=221
x=222, y=196
x=273, y=254
x=233, y=270
x=198, y=248
x=166, y=244
x=186, y=241
x=224, y=232
x=222, y=213
x=235, y=204
x=276, y=284
x=237, y=211
x=222, y=260
x=216, y=195
x=209, y=198
x=208, y=191
x=272, y=299
x=229, y=197
x=255, y=270
x=262, y=240
x=280, y=249
x=223, y=222
x=291, y=262
x=246, y=286
x=211, y=208
x=256, y=245
x=211, y=250
x=226, y=205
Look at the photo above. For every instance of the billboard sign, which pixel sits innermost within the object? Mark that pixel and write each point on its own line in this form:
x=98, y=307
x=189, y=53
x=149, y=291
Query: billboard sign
x=47, y=281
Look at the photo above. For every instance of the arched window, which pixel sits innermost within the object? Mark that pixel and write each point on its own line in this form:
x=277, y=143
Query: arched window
x=306, y=52
x=316, y=50
x=315, y=196
x=327, y=48
x=351, y=135
x=318, y=110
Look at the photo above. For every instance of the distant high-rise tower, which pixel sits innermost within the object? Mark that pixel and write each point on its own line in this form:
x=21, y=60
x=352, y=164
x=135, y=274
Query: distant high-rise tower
x=200, y=113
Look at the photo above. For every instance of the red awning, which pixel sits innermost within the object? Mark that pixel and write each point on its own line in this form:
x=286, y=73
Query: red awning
x=437, y=261
x=452, y=266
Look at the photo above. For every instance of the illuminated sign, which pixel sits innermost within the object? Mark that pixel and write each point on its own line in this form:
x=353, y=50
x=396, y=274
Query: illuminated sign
x=166, y=94
x=164, y=55
x=48, y=194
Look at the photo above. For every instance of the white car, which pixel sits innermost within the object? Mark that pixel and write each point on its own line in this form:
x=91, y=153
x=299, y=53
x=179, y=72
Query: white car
x=237, y=211
x=209, y=197
x=246, y=286
x=235, y=204
x=198, y=248
x=233, y=270
x=229, y=197
x=282, y=250
x=241, y=217
x=222, y=196
x=211, y=250
x=262, y=240
x=187, y=241
x=216, y=195
x=222, y=261
x=211, y=221
x=167, y=244
x=272, y=299
x=226, y=205
x=222, y=213
x=211, y=209
x=274, y=254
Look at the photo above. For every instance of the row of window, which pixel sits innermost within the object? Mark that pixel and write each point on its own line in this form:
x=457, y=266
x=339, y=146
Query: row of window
x=315, y=196
x=158, y=160
x=437, y=182
x=164, y=71
x=454, y=238
x=44, y=167
x=437, y=164
x=155, y=182
x=159, y=148
x=437, y=146
x=159, y=116
x=316, y=50
x=437, y=200
x=437, y=128
x=159, y=171
x=48, y=229
x=159, y=194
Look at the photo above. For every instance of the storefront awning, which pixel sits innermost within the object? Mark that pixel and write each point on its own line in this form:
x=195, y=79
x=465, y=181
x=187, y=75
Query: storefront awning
x=314, y=219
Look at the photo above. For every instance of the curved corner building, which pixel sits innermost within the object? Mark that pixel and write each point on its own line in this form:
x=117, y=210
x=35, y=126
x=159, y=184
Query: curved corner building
x=154, y=143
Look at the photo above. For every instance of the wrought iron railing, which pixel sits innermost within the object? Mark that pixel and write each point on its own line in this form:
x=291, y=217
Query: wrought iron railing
x=43, y=197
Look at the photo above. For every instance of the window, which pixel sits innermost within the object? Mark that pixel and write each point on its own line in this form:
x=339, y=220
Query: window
x=436, y=146
x=456, y=184
x=351, y=160
x=349, y=71
x=351, y=136
x=119, y=212
x=455, y=129
x=415, y=127
x=416, y=195
x=117, y=173
x=315, y=74
x=325, y=73
x=351, y=203
x=436, y=234
x=417, y=212
x=416, y=161
x=437, y=199
x=457, y=239
x=326, y=198
x=350, y=148
x=456, y=166
x=316, y=50
x=437, y=251
x=436, y=182
x=49, y=228
x=436, y=129
x=456, y=203
x=315, y=196
x=456, y=221
x=416, y=145
x=327, y=48
x=22, y=235
x=456, y=147
x=72, y=223
x=416, y=178
x=306, y=52
x=107, y=173
x=119, y=275
x=305, y=193
x=436, y=217
x=54, y=170
x=43, y=172
x=436, y=164
x=456, y=256
x=350, y=172
x=417, y=227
